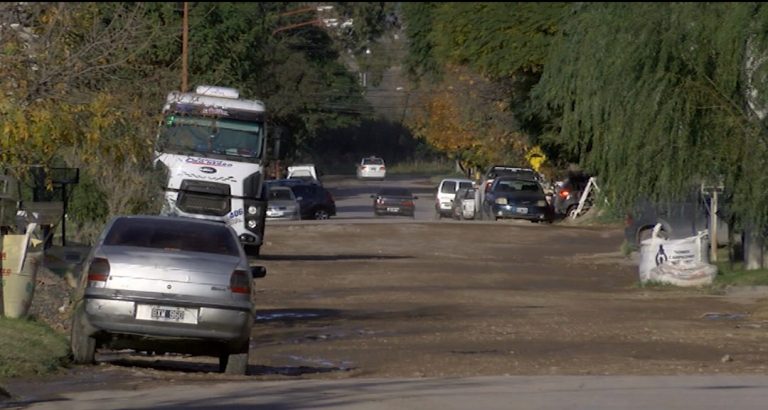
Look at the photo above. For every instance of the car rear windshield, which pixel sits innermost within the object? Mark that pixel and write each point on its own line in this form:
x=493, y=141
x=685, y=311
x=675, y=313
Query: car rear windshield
x=517, y=185
x=373, y=161
x=448, y=187
x=395, y=192
x=178, y=235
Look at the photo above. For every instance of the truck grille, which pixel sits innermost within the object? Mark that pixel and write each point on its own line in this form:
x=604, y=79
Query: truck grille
x=204, y=198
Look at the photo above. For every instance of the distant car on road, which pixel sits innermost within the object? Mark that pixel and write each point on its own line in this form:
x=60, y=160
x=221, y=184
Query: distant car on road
x=517, y=198
x=394, y=201
x=282, y=204
x=446, y=191
x=371, y=168
x=315, y=201
x=568, y=193
x=306, y=173
x=463, y=204
x=166, y=284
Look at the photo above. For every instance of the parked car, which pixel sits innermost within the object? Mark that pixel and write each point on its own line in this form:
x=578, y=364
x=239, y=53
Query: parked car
x=166, y=284
x=463, y=204
x=679, y=219
x=517, y=198
x=394, y=201
x=282, y=204
x=371, y=168
x=496, y=171
x=315, y=201
x=568, y=193
x=446, y=191
x=306, y=173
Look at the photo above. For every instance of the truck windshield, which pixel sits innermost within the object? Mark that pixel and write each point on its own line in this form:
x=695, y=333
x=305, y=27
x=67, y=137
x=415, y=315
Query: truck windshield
x=202, y=135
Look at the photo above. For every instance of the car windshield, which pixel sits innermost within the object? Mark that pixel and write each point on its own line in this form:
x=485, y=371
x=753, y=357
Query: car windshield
x=186, y=135
x=177, y=235
x=516, y=185
x=280, y=194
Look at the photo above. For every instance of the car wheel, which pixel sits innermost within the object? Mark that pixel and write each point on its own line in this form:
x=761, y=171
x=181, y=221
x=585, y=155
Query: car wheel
x=438, y=215
x=252, y=250
x=321, y=214
x=571, y=212
x=83, y=346
x=235, y=362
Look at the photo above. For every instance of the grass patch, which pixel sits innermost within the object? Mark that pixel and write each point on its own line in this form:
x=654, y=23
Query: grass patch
x=30, y=348
x=734, y=274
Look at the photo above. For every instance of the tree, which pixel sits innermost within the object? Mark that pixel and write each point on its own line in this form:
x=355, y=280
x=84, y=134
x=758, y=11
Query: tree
x=653, y=98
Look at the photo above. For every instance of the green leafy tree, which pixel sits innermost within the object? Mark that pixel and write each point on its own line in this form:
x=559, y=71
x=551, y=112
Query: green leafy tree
x=656, y=97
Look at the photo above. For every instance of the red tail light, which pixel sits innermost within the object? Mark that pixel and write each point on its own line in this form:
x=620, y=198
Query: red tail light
x=381, y=168
x=407, y=203
x=564, y=193
x=628, y=220
x=98, y=272
x=240, y=282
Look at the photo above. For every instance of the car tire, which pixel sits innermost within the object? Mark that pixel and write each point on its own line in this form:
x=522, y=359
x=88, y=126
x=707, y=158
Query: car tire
x=320, y=214
x=83, y=346
x=235, y=363
x=571, y=212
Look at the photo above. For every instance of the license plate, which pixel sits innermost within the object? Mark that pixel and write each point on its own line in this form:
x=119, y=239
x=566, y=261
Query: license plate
x=393, y=209
x=521, y=210
x=166, y=314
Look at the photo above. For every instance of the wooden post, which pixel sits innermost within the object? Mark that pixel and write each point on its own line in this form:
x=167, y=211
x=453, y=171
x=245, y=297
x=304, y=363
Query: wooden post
x=185, y=49
x=713, y=228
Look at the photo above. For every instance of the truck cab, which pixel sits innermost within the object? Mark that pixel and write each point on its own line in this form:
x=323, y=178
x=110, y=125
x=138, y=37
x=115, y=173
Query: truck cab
x=211, y=147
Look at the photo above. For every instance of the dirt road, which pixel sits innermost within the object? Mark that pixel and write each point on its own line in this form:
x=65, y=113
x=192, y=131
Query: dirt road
x=444, y=298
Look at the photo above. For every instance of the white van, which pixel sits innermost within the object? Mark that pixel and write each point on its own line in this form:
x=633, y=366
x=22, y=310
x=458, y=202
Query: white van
x=446, y=191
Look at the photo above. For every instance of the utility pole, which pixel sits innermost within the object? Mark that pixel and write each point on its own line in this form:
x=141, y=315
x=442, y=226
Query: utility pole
x=185, y=49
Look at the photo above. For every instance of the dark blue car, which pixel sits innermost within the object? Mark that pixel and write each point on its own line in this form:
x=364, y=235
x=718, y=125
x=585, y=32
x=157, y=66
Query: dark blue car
x=517, y=198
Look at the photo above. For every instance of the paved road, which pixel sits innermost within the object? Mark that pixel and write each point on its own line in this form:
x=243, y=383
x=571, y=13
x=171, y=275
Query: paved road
x=513, y=392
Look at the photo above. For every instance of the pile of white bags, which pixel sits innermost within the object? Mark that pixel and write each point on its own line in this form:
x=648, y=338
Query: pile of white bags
x=680, y=262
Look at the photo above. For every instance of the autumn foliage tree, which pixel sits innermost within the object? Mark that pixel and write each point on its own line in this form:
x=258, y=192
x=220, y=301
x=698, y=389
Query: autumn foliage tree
x=466, y=117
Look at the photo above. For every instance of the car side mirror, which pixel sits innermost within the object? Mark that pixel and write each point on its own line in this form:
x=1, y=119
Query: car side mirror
x=258, y=272
x=299, y=198
x=415, y=197
x=373, y=196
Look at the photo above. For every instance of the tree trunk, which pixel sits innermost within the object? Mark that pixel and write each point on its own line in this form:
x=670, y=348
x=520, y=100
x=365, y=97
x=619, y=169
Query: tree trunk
x=753, y=249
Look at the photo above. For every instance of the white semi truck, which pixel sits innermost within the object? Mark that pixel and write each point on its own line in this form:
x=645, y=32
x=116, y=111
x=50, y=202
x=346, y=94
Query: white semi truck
x=211, y=147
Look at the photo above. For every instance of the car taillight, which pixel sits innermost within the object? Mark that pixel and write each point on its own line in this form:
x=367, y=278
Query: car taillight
x=379, y=200
x=564, y=193
x=407, y=203
x=98, y=272
x=628, y=220
x=381, y=167
x=240, y=282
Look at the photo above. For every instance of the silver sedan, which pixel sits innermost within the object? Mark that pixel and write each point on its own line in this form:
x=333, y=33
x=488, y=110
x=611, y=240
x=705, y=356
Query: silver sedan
x=166, y=284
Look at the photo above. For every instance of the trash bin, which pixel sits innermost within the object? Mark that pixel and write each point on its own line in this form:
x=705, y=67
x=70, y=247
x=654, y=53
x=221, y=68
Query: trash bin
x=21, y=260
